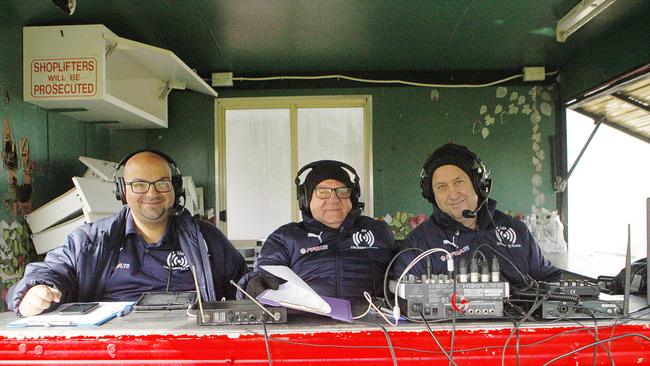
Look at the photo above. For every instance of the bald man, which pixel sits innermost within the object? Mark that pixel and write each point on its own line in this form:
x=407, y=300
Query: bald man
x=149, y=246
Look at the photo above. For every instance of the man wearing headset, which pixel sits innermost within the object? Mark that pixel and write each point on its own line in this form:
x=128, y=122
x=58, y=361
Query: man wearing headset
x=149, y=246
x=335, y=249
x=464, y=218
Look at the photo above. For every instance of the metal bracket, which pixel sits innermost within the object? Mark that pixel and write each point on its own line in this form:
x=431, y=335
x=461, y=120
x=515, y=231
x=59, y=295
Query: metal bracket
x=168, y=86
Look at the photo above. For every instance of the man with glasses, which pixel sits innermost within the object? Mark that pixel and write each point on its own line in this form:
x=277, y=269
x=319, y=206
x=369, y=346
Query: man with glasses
x=149, y=246
x=335, y=249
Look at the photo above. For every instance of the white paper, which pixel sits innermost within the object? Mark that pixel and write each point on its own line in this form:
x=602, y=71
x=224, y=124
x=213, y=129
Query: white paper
x=295, y=291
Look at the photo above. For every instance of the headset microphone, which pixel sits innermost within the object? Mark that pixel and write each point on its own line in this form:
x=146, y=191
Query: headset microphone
x=177, y=209
x=470, y=214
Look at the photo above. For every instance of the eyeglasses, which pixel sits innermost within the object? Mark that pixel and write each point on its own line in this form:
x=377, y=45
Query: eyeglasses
x=325, y=193
x=142, y=186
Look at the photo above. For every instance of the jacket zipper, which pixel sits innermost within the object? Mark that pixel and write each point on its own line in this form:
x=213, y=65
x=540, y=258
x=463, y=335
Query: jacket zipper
x=338, y=263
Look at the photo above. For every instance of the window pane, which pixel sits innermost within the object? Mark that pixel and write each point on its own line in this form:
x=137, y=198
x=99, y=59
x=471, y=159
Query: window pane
x=258, y=166
x=332, y=134
x=607, y=189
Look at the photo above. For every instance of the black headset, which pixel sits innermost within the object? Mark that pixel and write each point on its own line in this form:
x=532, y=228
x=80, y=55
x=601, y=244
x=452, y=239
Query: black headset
x=301, y=188
x=479, y=174
x=177, y=179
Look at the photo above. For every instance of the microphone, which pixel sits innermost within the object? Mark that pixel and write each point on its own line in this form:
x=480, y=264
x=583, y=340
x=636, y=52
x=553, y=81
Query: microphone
x=178, y=208
x=470, y=214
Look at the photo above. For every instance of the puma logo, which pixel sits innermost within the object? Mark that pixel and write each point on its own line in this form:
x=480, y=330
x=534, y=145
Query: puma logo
x=445, y=241
x=312, y=235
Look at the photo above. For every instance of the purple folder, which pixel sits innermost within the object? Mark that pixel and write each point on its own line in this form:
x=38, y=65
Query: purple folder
x=340, y=308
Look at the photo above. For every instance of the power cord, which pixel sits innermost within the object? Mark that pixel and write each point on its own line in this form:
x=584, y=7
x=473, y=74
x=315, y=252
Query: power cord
x=379, y=81
x=390, y=345
x=435, y=339
x=515, y=329
x=595, y=344
x=266, y=343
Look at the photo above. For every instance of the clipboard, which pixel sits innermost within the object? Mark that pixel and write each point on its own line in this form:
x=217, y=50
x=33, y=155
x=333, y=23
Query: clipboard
x=297, y=294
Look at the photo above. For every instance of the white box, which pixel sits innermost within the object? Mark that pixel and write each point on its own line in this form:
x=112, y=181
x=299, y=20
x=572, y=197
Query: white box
x=62, y=208
x=96, y=196
x=91, y=74
x=51, y=238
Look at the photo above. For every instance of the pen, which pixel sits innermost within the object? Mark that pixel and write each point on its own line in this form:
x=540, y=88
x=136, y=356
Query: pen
x=127, y=309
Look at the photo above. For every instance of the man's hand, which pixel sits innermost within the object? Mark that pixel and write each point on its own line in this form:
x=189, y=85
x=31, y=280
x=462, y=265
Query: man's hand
x=261, y=282
x=37, y=299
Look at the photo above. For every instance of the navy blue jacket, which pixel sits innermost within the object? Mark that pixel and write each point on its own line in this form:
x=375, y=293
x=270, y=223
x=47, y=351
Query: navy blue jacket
x=515, y=243
x=82, y=265
x=340, y=263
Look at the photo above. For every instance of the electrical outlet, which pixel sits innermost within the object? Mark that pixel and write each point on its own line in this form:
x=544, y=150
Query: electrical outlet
x=533, y=73
x=222, y=79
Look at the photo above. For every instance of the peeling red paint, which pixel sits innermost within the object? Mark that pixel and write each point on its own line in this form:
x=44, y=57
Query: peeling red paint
x=412, y=347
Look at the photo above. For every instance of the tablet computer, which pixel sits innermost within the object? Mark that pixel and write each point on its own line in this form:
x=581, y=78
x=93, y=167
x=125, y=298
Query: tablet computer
x=150, y=301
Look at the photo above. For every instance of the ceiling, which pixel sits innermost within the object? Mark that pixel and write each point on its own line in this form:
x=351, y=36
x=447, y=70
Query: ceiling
x=622, y=103
x=253, y=37
x=445, y=39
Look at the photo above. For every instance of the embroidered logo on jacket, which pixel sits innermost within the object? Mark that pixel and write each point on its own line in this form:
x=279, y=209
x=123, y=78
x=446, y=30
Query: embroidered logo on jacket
x=447, y=242
x=506, y=236
x=455, y=253
x=363, y=239
x=314, y=249
x=176, y=261
x=123, y=266
x=312, y=235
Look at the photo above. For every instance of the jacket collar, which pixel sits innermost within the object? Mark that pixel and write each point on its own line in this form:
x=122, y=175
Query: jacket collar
x=483, y=217
x=346, y=227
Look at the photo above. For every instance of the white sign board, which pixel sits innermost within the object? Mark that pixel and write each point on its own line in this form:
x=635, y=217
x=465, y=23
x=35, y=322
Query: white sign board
x=63, y=77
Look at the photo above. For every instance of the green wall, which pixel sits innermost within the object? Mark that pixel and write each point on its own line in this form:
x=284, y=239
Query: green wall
x=407, y=126
x=55, y=143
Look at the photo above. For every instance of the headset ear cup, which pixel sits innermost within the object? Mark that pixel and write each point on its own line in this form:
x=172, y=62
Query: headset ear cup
x=486, y=186
x=303, y=203
x=179, y=192
x=116, y=190
x=481, y=181
x=119, y=189
x=425, y=187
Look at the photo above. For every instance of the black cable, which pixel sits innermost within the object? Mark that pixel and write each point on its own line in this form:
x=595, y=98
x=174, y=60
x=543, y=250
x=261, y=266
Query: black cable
x=175, y=246
x=551, y=296
x=169, y=277
x=266, y=342
x=596, y=339
x=390, y=344
x=526, y=278
x=372, y=269
x=435, y=339
x=611, y=334
x=509, y=249
x=516, y=327
x=596, y=343
x=464, y=350
x=595, y=334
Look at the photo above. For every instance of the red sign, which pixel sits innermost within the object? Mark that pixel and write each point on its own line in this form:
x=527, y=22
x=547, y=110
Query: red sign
x=64, y=77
